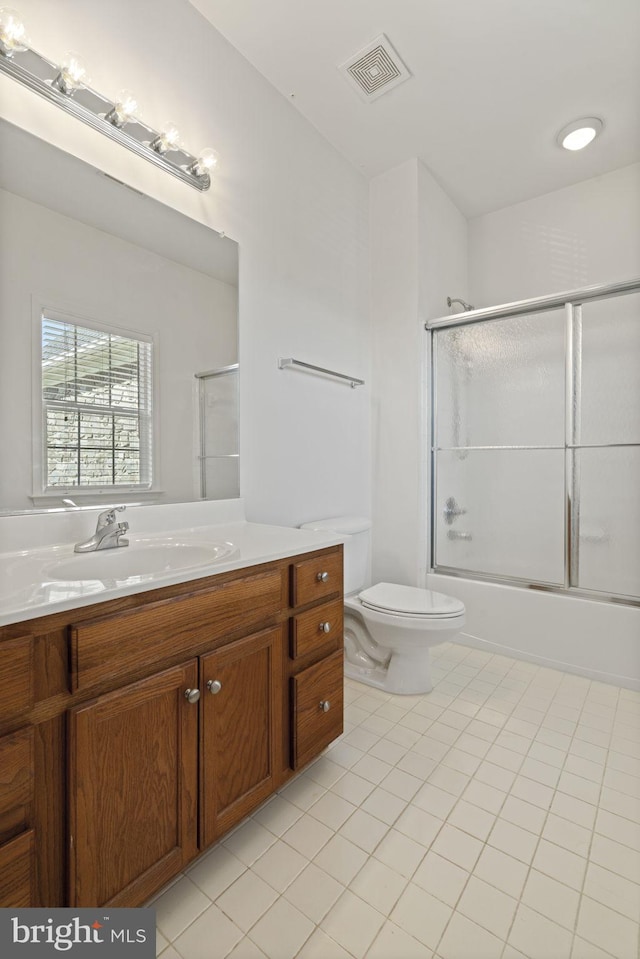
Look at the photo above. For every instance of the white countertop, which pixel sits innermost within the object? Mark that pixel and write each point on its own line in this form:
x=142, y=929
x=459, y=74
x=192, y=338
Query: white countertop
x=35, y=581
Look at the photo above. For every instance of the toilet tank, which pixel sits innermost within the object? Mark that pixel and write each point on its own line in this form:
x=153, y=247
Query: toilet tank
x=357, y=538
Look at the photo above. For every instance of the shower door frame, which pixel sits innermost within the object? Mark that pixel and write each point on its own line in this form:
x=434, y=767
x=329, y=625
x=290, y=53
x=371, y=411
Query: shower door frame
x=572, y=302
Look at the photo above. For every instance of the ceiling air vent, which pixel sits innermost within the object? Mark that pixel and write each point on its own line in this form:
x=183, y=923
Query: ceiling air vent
x=375, y=69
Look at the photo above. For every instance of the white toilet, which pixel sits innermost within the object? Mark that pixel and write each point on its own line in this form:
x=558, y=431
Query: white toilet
x=388, y=629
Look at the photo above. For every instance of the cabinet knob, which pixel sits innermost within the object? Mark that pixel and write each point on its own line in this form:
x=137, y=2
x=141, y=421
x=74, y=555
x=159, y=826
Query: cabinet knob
x=214, y=686
x=192, y=695
x=322, y=577
x=325, y=627
x=325, y=705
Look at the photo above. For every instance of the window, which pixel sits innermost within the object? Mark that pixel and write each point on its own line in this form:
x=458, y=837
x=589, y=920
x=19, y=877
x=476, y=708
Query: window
x=96, y=406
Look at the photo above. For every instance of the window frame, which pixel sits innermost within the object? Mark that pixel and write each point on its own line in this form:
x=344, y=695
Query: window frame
x=45, y=309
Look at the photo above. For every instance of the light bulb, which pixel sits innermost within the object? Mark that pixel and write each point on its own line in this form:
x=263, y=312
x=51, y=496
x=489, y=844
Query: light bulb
x=13, y=36
x=124, y=108
x=206, y=162
x=168, y=139
x=73, y=73
x=577, y=135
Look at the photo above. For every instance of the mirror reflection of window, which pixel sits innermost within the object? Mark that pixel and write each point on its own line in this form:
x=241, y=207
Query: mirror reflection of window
x=97, y=388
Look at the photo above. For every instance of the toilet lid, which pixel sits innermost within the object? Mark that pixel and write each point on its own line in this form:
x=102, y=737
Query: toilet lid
x=410, y=601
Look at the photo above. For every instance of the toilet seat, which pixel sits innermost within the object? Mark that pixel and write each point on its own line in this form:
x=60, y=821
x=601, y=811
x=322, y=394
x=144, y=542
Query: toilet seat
x=410, y=601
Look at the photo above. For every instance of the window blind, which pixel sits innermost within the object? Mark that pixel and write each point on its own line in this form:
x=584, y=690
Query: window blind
x=97, y=406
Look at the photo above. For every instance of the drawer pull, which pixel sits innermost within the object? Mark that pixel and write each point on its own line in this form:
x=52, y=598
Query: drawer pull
x=322, y=577
x=325, y=705
x=192, y=695
x=325, y=627
x=214, y=686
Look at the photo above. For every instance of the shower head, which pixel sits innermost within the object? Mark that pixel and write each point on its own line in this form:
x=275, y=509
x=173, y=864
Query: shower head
x=465, y=306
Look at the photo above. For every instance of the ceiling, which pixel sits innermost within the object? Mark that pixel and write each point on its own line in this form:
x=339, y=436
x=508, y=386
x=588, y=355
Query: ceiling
x=493, y=81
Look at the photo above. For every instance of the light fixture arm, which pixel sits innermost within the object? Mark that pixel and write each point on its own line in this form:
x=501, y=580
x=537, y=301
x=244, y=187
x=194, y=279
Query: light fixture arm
x=40, y=75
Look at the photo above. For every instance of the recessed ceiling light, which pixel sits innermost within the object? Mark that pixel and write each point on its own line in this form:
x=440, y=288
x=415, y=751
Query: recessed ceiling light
x=580, y=133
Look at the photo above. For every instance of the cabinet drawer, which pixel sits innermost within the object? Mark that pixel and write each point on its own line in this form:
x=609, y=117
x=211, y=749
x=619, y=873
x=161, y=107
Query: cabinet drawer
x=309, y=633
x=316, y=578
x=16, y=871
x=16, y=669
x=312, y=689
x=137, y=640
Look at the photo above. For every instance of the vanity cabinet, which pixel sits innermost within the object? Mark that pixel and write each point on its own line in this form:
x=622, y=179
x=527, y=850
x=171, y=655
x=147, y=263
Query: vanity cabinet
x=137, y=731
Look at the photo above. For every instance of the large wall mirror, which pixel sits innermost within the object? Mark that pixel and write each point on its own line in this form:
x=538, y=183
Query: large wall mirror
x=118, y=340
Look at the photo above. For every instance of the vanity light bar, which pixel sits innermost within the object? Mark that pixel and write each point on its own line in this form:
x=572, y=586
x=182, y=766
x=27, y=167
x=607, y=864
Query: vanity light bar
x=115, y=118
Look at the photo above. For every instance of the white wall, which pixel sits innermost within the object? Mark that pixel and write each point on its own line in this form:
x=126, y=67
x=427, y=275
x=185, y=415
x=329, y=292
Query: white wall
x=70, y=266
x=418, y=257
x=581, y=235
x=297, y=209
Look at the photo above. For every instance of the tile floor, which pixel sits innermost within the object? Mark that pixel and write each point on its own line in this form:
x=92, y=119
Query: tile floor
x=496, y=818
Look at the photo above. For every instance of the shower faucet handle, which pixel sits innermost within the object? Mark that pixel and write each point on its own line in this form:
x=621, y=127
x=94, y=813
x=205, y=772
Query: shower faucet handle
x=451, y=511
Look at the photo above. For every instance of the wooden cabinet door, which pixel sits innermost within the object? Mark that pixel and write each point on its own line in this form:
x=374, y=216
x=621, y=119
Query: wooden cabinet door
x=241, y=733
x=133, y=772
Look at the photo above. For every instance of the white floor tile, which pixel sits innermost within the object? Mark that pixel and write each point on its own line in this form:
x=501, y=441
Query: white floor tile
x=517, y=842
x=523, y=814
x=249, y=841
x=282, y=931
x=538, y=937
x=277, y=815
x=379, y=885
x=488, y=906
x=464, y=939
x=341, y=859
x=575, y=810
x=440, y=877
x=435, y=800
x=394, y=941
x=400, y=853
x=501, y=870
x=215, y=871
x=612, y=890
x=321, y=946
x=608, y=929
x=279, y=865
x=246, y=900
x=313, y=892
x=308, y=835
x=353, y=788
x=551, y=898
x=178, y=907
x=616, y=857
x=211, y=926
x=421, y=915
x=246, y=949
x=419, y=825
x=364, y=830
x=332, y=810
x=384, y=805
x=477, y=822
x=457, y=846
x=570, y=835
x=353, y=923
x=560, y=864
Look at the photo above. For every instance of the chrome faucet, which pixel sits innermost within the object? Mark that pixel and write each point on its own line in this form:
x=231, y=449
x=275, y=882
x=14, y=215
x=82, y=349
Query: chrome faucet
x=108, y=534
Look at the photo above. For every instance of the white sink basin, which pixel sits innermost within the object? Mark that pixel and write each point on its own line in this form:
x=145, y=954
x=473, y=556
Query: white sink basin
x=138, y=560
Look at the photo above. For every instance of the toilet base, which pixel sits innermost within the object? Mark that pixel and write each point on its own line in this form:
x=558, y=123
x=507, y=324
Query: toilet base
x=406, y=675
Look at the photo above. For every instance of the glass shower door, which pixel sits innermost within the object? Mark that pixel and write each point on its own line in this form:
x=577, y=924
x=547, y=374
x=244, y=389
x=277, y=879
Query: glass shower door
x=608, y=447
x=499, y=448
x=536, y=448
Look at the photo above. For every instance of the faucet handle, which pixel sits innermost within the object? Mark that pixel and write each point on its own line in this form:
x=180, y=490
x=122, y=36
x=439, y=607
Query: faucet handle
x=108, y=516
